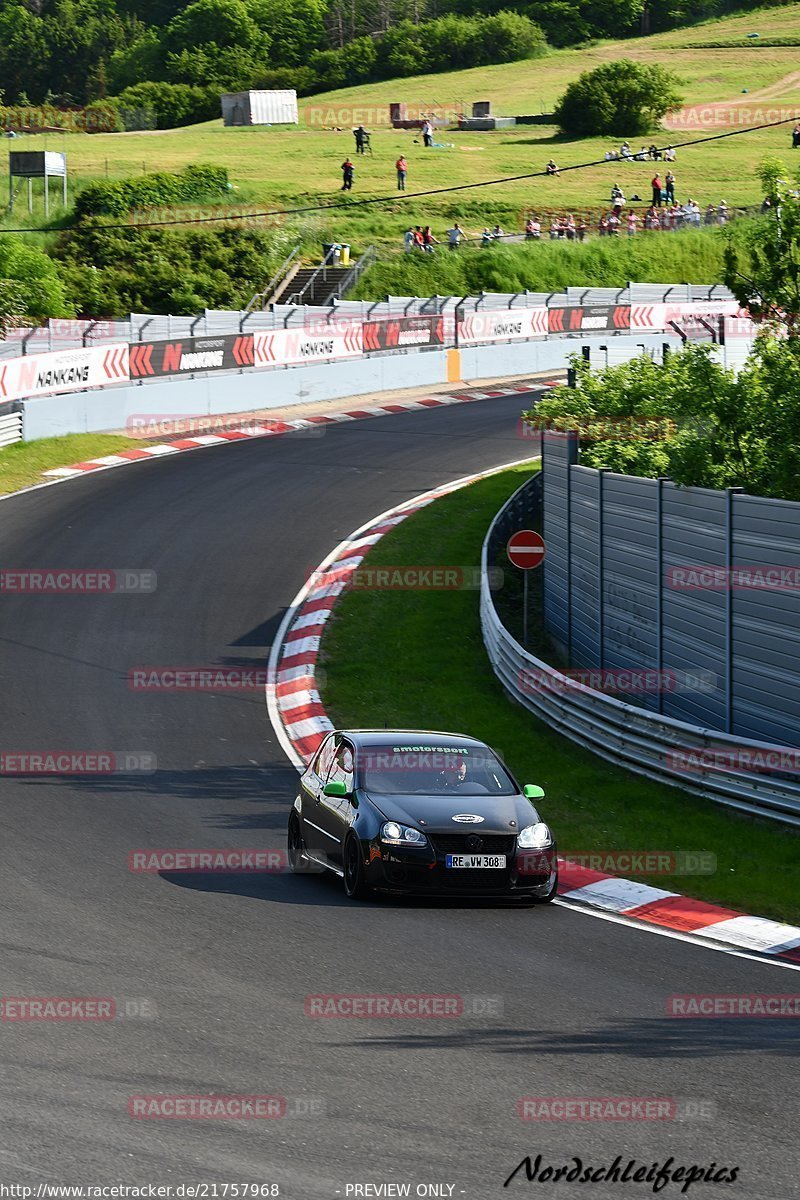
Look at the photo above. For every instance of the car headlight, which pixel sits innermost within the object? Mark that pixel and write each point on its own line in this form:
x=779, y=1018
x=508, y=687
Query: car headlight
x=535, y=837
x=402, y=835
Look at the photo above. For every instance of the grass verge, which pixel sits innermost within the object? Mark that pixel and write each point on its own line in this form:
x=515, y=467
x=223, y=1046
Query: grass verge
x=23, y=464
x=416, y=659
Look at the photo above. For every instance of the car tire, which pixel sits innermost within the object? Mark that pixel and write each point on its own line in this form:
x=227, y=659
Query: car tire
x=355, y=886
x=295, y=844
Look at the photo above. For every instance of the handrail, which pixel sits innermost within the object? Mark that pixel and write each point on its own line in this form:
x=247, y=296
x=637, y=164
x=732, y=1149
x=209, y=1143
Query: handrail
x=297, y=297
x=356, y=271
x=262, y=298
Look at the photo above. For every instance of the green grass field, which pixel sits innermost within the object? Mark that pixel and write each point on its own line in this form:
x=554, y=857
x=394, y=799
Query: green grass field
x=417, y=660
x=291, y=167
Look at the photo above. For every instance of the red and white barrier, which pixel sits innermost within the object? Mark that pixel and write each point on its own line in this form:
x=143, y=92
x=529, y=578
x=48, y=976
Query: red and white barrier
x=64, y=371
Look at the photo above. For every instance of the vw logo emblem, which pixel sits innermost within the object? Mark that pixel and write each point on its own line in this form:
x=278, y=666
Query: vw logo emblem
x=474, y=842
x=468, y=818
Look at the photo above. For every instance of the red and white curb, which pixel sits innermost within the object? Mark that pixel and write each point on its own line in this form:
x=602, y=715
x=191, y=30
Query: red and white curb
x=301, y=722
x=267, y=429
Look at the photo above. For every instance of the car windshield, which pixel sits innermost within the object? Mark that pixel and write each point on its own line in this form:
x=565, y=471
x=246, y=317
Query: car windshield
x=408, y=768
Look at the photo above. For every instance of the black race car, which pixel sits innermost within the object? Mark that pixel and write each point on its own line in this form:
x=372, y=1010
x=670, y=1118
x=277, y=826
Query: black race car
x=410, y=811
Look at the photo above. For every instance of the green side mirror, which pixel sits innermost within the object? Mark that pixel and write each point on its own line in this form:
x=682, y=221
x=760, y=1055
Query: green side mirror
x=335, y=788
x=532, y=791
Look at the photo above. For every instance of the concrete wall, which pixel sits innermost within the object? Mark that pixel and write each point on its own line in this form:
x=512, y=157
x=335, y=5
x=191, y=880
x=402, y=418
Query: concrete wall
x=110, y=408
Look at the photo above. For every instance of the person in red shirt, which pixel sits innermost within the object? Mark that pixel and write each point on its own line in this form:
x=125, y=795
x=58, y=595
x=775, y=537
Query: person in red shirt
x=401, y=166
x=655, y=183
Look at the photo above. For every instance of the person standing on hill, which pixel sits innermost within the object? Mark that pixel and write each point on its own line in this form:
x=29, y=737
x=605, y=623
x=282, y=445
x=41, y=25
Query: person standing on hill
x=348, y=172
x=455, y=236
x=401, y=166
x=362, y=139
x=796, y=136
x=655, y=184
x=427, y=133
x=669, y=180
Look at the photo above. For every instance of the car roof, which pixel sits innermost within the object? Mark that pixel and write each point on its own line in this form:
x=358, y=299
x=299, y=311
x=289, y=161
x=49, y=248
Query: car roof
x=427, y=737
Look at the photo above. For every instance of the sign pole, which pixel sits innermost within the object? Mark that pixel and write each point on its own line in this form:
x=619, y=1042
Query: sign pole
x=525, y=609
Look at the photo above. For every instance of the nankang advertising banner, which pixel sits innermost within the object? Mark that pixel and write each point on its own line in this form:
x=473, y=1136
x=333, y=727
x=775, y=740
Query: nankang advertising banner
x=184, y=356
x=502, y=325
x=597, y=318
x=63, y=371
x=399, y=332
x=314, y=343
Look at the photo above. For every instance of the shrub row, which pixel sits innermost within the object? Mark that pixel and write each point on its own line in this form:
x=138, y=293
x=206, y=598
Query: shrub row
x=115, y=198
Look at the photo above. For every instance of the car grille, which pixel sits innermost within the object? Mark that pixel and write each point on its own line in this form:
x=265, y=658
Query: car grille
x=459, y=843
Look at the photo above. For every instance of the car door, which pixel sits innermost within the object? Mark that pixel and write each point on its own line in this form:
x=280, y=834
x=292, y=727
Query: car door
x=311, y=785
x=335, y=811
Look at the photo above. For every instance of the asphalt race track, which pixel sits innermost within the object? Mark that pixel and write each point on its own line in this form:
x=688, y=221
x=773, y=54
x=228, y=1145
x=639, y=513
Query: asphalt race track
x=213, y=969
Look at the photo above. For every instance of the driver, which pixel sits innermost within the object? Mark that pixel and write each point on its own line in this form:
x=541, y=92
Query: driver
x=454, y=774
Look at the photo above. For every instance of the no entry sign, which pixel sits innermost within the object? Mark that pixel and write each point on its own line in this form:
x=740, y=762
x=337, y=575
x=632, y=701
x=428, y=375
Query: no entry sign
x=525, y=549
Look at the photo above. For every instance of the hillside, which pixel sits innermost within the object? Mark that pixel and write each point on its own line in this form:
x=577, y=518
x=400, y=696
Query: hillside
x=291, y=167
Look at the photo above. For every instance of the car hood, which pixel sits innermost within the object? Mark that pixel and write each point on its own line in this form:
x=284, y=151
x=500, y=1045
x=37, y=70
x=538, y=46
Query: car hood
x=435, y=813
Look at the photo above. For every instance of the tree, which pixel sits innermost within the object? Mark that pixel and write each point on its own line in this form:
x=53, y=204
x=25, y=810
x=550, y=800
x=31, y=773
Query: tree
x=24, y=53
x=30, y=283
x=689, y=419
x=767, y=283
x=623, y=99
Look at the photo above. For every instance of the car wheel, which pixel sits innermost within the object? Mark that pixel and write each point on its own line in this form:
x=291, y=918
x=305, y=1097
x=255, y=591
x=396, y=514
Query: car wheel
x=296, y=847
x=354, y=883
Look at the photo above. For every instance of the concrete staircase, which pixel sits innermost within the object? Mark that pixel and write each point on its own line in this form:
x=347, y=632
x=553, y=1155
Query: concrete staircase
x=304, y=288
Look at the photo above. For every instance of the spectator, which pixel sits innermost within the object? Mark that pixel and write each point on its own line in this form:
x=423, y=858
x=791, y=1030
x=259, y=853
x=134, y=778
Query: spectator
x=625, y=150
x=766, y=205
x=580, y=230
x=602, y=227
x=610, y=156
x=617, y=196
x=796, y=136
x=555, y=229
x=654, y=152
x=722, y=213
x=533, y=230
x=552, y=169
x=486, y=237
x=455, y=236
x=419, y=239
x=401, y=166
x=642, y=155
x=427, y=133
x=651, y=218
x=669, y=181
x=663, y=218
x=655, y=183
x=613, y=224
x=428, y=240
x=711, y=215
x=409, y=239
x=569, y=227
x=669, y=155
x=348, y=171
x=362, y=139
x=497, y=232
x=632, y=223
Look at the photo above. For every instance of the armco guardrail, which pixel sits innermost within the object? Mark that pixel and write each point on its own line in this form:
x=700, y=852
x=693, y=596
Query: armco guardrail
x=10, y=425
x=755, y=777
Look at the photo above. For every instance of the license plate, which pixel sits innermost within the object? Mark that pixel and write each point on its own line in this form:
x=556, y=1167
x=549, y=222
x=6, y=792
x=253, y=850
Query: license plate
x=472, y=861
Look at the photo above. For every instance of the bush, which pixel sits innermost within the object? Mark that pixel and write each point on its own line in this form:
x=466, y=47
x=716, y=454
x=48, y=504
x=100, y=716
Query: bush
x=111, y=272
x=116, y=198
x=165, y=105
x=623, y=99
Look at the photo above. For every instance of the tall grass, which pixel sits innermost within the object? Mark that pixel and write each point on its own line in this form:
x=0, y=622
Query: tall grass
x=690, y=256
